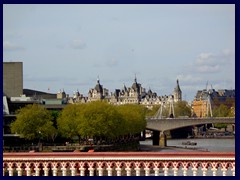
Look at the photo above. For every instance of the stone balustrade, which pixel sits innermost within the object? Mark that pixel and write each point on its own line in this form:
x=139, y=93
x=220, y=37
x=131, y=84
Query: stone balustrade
x=119, y=164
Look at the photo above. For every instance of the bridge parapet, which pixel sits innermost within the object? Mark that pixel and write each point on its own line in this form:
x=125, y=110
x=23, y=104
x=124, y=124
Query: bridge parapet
x=119, y=164
x=174, y=123
x=191, y=118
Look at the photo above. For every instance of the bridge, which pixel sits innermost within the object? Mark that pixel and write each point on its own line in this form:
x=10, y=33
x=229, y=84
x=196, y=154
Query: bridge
x=159, y=125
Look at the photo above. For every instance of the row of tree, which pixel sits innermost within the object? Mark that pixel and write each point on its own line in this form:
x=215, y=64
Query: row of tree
x=92, y=120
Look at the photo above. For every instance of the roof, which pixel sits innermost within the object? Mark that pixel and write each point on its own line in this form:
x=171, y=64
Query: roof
x=98, y=87
x=38, y=94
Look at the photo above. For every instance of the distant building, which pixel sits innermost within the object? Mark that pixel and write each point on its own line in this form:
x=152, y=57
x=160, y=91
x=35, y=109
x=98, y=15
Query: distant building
x=205, y=100
x=97, y=93
x=38, y=95
x=12, y=79
x=136, y=94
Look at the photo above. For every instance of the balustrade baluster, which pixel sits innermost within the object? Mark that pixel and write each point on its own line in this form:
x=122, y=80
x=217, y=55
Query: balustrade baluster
x=73, y=171
x=54, y=170
x=194, y=170
x=28, y=170
x=82, y=171
x=19, y=170
x=36, y=169
x=204, y=170
x=224, y=168
x=175, y=171
x=119, y=171
x=185, y=171
x=137, y=169
x=233, y=168
x=100, y=171
x=165, y=171
x=46, y=170
x=109, y=170
x=91, y=171
x=147, y=171
x=224, y=171
x=128, y=170
x=10, y=171
x=64, y=171
x=214, y=168
x=156, y=171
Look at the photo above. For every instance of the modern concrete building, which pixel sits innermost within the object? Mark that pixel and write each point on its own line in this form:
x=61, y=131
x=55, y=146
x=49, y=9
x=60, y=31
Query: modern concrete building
x=12, y=79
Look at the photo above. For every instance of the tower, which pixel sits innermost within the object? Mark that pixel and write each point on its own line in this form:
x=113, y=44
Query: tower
x=177, y=93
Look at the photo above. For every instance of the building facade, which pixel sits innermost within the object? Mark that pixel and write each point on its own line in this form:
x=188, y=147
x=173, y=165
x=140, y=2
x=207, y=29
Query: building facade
x=12, y=79
x=97, y=93
x=206, y=100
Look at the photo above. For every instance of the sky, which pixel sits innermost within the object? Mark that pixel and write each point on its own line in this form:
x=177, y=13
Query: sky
x=67, y=47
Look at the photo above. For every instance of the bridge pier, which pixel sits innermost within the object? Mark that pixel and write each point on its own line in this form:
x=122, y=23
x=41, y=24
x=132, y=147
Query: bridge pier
x=156, y=138
x=159, y=139
x=163, y=139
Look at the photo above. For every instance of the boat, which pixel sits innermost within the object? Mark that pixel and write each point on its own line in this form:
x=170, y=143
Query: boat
x=190, y=136
x=189, y=143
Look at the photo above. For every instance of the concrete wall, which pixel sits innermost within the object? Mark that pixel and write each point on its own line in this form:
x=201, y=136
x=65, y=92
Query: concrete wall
x=13, y=79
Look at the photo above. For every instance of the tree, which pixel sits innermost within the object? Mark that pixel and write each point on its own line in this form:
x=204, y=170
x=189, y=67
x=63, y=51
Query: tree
x=222, y=111
x=133, y=118
x=100, y=120
x=33, y=122
x=69, y=122
x=182, y=108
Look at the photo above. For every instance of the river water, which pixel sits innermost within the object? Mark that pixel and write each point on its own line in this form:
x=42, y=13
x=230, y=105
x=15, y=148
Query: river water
x=175, y=145
x=212, y=145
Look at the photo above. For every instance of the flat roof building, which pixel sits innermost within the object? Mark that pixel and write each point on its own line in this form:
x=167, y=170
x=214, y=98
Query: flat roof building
x=12, y=79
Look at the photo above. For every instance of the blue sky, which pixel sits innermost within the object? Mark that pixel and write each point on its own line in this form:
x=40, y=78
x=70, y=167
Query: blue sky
x=69, y=46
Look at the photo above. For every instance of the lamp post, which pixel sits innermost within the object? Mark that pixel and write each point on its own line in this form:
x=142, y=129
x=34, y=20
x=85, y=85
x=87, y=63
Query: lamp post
x=39, y=142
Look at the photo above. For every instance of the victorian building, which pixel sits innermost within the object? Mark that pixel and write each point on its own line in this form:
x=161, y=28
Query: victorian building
x=205, y=100
x=136, y=94
x=97, y=93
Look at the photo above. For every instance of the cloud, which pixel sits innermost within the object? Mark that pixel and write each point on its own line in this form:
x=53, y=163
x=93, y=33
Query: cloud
x=213, y=62
x=78, y=44
x=112, y=63
x=29, y=78
x=208, y=68
x=189, y=79
x=9, y=46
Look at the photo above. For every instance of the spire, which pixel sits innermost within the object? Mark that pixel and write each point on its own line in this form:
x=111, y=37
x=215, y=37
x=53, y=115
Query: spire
x=177, y=86
x=135, y=79
x=98, y=81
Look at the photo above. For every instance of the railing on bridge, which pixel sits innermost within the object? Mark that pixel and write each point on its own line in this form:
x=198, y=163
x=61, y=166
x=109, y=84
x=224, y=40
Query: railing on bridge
x=193, y=118
x=119, y=164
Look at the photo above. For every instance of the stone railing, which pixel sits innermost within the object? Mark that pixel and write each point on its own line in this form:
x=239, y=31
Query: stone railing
x=119, y=164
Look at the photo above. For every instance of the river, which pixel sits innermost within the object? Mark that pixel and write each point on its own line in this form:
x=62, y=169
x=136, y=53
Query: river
x=212, y=145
